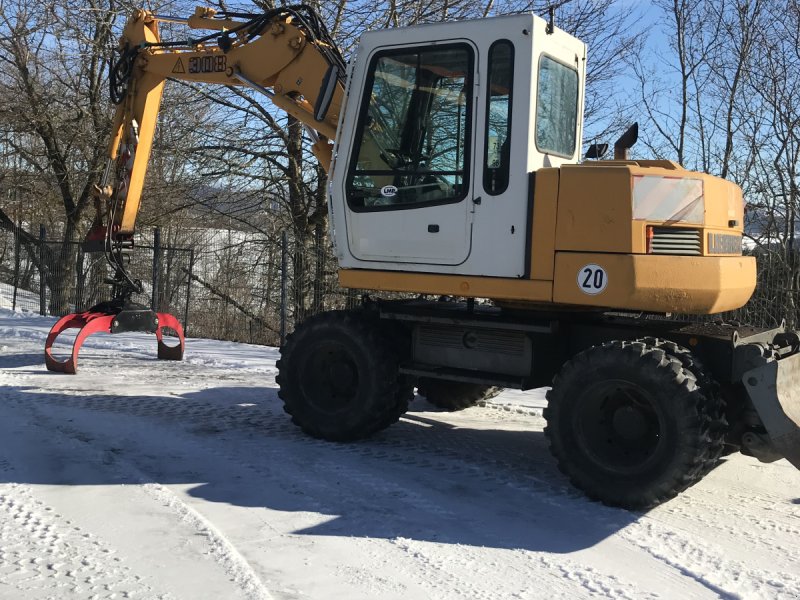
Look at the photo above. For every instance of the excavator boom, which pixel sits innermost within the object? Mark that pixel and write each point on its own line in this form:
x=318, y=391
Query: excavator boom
x=286, y=53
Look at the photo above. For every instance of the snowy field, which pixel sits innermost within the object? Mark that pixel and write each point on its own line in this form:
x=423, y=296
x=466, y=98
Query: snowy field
x=144, y=479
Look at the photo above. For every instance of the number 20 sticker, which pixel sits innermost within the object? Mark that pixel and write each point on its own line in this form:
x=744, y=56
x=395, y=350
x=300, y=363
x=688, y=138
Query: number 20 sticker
x=592, y=279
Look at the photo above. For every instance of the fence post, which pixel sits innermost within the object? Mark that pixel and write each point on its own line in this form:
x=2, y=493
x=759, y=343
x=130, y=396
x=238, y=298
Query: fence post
x=17, y=259
x=284, y=278
x=81, y=280
x=155, y=299
x=188, y=292
x=42, y=287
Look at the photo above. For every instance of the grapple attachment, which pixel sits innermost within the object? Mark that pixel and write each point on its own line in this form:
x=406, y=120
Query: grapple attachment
x=111, y=317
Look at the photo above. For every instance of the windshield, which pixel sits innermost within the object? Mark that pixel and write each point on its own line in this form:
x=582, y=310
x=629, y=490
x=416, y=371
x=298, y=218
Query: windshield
x=411, y=145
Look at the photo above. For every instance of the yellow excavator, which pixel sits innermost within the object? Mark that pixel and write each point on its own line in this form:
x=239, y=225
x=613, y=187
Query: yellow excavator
x=453, y=157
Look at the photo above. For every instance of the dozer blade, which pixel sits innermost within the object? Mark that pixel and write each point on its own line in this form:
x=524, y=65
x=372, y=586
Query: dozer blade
x=774, y=389
x=120, y=321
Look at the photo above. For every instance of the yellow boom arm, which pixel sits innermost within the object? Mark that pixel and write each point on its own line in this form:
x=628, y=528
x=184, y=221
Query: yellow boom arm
x=284, y=54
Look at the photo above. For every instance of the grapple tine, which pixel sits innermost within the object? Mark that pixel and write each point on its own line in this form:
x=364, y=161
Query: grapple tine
x=73, y=321
x=88, y=323
x=169, y=352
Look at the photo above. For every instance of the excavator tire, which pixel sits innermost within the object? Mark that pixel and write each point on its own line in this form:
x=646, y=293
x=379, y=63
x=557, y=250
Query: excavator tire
x=338, y=377
x=454, y=395
x=630, y=425
x=716, y=405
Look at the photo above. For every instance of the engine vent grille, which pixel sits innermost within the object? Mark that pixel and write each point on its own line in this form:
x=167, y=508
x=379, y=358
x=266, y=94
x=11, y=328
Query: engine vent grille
x=503, y=342
x=676, y=240
x=482, y=349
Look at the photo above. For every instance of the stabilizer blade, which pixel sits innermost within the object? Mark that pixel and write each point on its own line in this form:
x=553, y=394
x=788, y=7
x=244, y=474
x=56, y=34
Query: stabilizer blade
x=774, y=389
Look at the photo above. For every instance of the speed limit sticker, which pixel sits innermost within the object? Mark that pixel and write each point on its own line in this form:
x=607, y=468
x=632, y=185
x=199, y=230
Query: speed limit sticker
x=592, y=279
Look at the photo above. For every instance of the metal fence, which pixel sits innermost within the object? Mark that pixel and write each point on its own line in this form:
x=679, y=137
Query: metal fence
x=230, y=284
x=56, y=278
x=250, y=286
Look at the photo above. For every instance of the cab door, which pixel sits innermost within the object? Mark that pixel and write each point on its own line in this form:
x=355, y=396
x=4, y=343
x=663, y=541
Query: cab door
x=409, y=186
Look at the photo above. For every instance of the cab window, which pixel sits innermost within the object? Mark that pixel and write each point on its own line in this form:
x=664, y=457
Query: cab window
x=412, y=141
x=556, y=108
x=497, y=150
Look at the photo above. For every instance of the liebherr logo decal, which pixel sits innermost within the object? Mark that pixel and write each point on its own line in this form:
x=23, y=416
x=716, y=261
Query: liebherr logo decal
x=721, y=243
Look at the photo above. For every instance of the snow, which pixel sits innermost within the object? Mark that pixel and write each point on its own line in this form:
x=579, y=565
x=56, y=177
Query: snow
x=148, y=479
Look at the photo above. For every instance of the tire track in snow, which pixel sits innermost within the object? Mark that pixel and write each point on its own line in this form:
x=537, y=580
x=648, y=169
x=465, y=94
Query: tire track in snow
x=680, y=550
x=219, y=549
x=708, y=566
x=761, y=502
x=43, y=556
x=418, y=451
x=764, y=532
x=443, y=576
x=555, y=578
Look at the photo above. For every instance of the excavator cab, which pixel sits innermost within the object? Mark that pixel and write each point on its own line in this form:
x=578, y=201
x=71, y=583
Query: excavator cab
x=428, y=174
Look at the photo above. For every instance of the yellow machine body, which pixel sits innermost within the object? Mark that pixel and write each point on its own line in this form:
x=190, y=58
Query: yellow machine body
x=588, y=214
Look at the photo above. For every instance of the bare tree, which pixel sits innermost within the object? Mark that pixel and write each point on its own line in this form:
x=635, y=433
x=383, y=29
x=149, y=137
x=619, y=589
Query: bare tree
x=53, y=111
x=724, y=100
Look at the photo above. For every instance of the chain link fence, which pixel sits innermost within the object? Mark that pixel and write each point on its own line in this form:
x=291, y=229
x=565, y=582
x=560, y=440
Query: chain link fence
x=227, y=284
x=57, y=278
x=252, y=286
x=776, y=299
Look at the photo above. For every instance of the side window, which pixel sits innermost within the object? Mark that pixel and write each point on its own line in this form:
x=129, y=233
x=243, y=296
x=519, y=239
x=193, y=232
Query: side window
x=412, y=141
x=498, y=118
x=556, y=108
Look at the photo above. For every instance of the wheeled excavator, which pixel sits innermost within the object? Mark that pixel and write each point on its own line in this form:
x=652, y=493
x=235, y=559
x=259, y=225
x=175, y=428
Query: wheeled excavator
x=454, y=175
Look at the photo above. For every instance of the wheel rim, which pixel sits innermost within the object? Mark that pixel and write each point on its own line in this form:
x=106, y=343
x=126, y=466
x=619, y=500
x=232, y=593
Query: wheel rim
x=620, y=427
x=330, y=379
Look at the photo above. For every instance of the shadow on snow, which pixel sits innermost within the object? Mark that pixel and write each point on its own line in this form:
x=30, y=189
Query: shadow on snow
x=421, y=479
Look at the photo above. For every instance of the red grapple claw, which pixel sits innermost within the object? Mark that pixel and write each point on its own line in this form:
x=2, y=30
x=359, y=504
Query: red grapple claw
x=90, y=322
x=169, y=352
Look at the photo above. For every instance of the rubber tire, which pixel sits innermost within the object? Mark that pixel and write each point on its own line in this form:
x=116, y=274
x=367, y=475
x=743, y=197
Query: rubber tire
x=684, y=447
x=350, y=350
x=454, y=395
x=716, y=405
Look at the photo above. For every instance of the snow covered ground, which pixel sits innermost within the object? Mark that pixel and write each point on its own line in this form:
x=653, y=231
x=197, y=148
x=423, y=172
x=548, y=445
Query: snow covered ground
x=146, y=479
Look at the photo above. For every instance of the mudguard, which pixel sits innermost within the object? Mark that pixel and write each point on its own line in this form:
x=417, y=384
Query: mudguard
x=774, y=389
